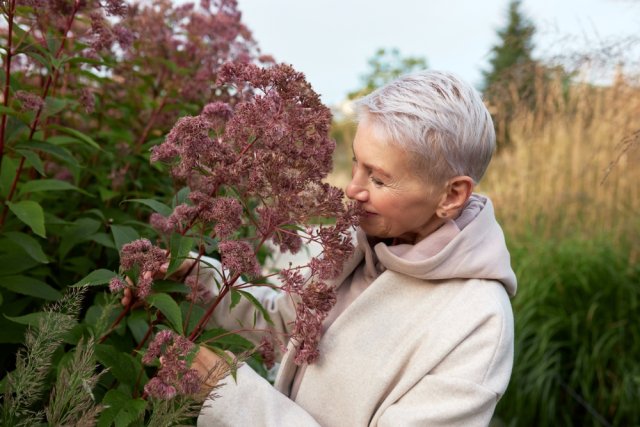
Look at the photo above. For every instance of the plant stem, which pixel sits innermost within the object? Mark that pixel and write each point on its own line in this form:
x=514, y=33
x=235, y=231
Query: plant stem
x=7, y=75
x=115, y=323
x=203, y=321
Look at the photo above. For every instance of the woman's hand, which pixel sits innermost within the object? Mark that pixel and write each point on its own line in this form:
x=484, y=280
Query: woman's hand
x=210, y=366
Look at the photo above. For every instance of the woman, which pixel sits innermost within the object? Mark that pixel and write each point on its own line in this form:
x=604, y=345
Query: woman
x=422, y=333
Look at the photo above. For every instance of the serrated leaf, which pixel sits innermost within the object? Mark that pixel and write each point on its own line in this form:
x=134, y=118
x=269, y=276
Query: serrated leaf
x=168, y=307
x=124, y=367
x=257, y=305
x=120, y=409
x=80, y=135
x=123, y=234
x=30, y=213
x=30, y=245
x=98, y=277
x=179, y=249
x=46, y=185
x=33, y=160
x=157, y=206
x=29, y=286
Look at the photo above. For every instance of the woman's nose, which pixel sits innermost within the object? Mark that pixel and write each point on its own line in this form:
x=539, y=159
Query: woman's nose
x=356, y=191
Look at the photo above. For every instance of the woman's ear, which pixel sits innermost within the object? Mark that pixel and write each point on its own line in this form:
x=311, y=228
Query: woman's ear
x=457, y=192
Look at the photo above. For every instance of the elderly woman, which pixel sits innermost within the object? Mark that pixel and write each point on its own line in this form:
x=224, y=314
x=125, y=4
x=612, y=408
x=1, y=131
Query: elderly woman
x=422, y=332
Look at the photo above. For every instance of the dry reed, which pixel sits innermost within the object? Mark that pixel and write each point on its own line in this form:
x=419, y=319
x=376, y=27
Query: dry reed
x=572, y=164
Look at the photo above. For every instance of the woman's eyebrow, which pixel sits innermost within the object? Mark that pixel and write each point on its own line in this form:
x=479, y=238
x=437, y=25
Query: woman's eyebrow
x=370, y=166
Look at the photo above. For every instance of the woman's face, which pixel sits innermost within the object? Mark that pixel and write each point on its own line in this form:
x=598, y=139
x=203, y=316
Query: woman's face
x=398, y=202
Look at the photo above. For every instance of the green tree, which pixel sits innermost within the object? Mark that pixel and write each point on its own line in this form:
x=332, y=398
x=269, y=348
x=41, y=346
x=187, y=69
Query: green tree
x=513, y=52
x=384, y=66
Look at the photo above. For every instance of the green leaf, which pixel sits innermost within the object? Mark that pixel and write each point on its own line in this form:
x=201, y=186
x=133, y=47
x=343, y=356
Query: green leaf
x=60, y=153
x=235, y=298
x=157, y=206
x=30, y=213
x=103, y=239
x=53, y=106
x=181, y=196
x=192, y=312
x=30, y=245
x=80, y=135
x=168, y=286
x=29, y=286
x=123, y=234
x=257, y=305
x=39, y=58
x=97, y=277
x=33, y=319
x=168, y=307
x=179, y=250
x=225, y=339
x=47, y=185
x=15, y=262
x=124, y=367
x=8, y=110
x=120, y=409
x=80, y=231
x=7, y=174
x=33, y=160
x=137, y=323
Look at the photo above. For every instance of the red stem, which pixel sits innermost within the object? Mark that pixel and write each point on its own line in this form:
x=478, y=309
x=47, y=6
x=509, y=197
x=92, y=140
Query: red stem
x=115, y=323
x=7, y=78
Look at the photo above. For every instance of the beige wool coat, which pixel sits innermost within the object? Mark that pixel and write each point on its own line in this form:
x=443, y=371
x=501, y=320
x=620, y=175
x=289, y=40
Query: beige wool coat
x=428, y=343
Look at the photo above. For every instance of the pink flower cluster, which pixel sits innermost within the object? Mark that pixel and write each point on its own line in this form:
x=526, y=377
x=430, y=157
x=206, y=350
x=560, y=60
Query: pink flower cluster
x=174, y=376
x=144, y=256
x=270, y=150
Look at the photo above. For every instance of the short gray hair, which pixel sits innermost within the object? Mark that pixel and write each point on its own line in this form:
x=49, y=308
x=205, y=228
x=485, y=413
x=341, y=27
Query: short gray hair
x=438, y=117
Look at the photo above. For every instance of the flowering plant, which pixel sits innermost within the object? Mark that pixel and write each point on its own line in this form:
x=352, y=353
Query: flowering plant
x=88, y=88
x=253, y=171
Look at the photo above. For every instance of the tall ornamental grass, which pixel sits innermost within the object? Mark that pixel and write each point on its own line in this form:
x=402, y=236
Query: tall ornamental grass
x=565, y=186
x=577, y=338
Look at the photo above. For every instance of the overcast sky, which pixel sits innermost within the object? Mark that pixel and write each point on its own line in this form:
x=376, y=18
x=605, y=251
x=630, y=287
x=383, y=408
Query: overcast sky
x=331, y=40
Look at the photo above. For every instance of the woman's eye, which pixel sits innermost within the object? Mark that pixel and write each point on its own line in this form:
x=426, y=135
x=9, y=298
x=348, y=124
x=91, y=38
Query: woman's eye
x=377, y=182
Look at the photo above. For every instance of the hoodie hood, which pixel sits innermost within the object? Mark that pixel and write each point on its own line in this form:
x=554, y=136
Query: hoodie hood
x=470, y=247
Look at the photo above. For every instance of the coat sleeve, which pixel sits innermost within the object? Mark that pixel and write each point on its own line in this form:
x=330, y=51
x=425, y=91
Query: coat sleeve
x=464, y=388
x=251, y=401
